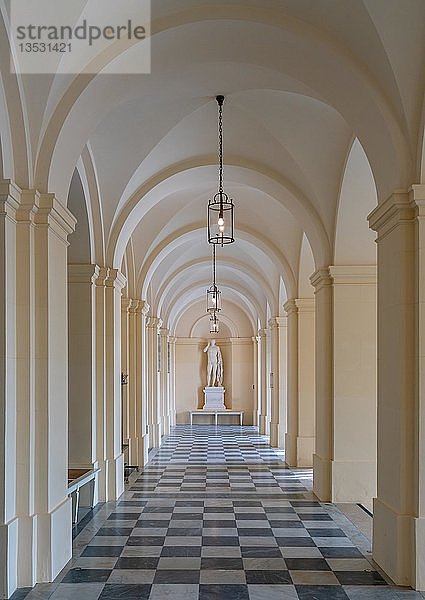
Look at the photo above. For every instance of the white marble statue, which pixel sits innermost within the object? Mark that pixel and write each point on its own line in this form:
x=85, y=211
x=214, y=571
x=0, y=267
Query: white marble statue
x=215, y=364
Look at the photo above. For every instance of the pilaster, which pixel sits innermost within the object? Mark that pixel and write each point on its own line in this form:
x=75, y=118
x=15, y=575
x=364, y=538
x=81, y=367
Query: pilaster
x=100, y=351
x=300, y=437
x=164, y=381
x=278, y=332
x=257, y=380
x=25, y=388
x=9, y=202
x=154, y=399
x=52, y=506
x=399, y=509
x=142, y=383
x=82, y=365
x=324, y=352
x=114, y=458
x=125, y=366
x=263, y=417
x=173, y=381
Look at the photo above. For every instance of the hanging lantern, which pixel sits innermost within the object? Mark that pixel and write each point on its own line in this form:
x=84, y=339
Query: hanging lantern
x=220, y=207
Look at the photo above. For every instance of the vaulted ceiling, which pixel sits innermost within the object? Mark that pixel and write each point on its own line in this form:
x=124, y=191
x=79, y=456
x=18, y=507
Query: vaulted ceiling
x=323, y=117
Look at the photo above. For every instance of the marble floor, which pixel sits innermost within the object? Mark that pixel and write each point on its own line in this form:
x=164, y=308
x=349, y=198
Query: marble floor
x=216, y=515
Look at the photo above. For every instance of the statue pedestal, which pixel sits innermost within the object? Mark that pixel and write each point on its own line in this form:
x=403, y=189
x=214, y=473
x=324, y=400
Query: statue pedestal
x=214, y=398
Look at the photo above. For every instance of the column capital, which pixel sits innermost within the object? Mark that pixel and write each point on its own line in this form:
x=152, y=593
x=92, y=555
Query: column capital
x=9, y=197
x=56, y=215
x=134, y=306
x=115, y=279
x=29, y=203
x=290, y=306
x=102, y=276
x=144, y=307
x=154, y=322
x=262, y=333
x=172, y=339
x=256, y=339
x=321, y=279
x=126, y=304
x=141, y=307
x=305, y=304
x=277, y=322
x=353, y=274
x=164, y=331
x=417, y=199
x=395, y=210
x=78, y=273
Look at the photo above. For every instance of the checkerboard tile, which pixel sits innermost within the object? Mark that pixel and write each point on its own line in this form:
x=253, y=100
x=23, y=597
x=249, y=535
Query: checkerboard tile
x=217, y=515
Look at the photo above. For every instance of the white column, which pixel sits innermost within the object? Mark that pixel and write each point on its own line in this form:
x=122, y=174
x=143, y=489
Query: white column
x=132, y=383
x=125, y=357
x=345, y=459
x=278, y=380
x=354, y=330
x=114, y=458
x=322, y=459
x=142, y=384
x=100, y=350
x=9, y=198
x=257, y=381
x=283, y=376
x=154, y=406
x=164, y=387
x=52, y=506
x=25, y=389
x=138, y=442
x=172, y=376
x=264, y=382
x=300, y=439
x=399, y=509
x=82, y=365
x=291, y=451
x=269, y=381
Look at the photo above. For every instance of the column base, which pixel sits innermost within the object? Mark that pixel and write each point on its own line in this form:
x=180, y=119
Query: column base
x=54, y=541
x=143, y=446
x=291, y=450
x=322, y=478
x=299, y=450
x=166, y=425
x=133, y=451
x=154, y=432
x=173, y=418
x=353, y=481
x=263, y=424
x=111, y=478
x=9, y=553
x=394, y=545
x=27, y=551
x=274, y=434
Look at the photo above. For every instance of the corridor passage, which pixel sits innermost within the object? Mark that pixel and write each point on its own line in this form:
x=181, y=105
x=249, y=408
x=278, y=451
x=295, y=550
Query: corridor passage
x=217, y=515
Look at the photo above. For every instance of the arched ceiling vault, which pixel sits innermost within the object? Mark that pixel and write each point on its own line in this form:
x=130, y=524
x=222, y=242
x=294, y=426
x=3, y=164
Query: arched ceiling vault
x=165, y=256
x=300, y=86
x=233, y=275
x=254, y=176
x=349, y=86
x=241, y=298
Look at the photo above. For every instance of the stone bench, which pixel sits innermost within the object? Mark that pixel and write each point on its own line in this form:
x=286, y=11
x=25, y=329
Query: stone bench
x=216, y=413
x=81, y=484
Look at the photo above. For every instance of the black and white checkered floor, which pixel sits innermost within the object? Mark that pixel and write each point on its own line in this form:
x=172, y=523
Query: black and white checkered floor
x=216, y=515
